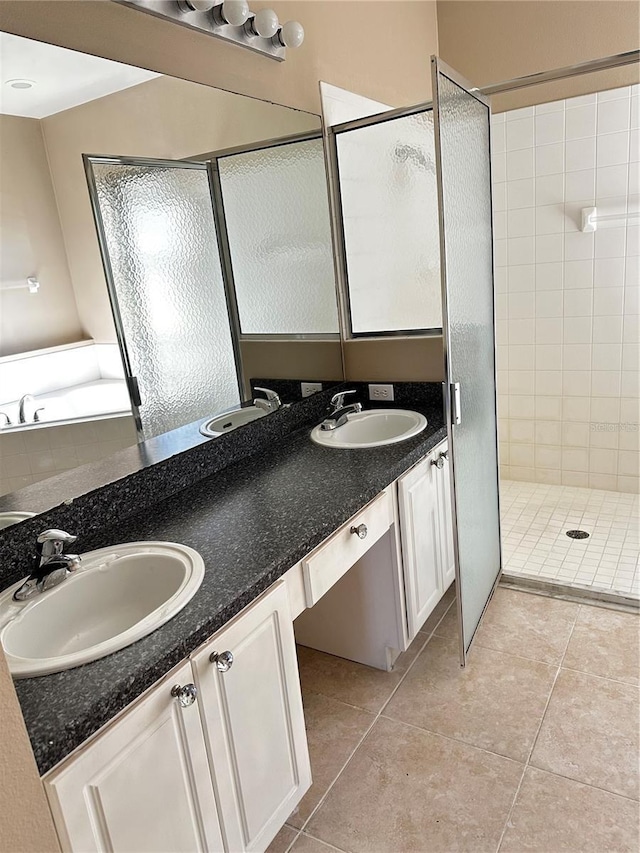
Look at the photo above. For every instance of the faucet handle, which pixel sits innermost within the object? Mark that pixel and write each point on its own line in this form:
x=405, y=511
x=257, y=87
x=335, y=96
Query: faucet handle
x=271, y=396
x=52, y=542
x=337, y=401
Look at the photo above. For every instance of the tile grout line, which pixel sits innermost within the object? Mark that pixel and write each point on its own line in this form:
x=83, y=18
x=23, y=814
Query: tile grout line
x=452, y=739
x=295, y=837
x=600, y=677
x=481, y=645
x=537, y=734
x=584, y=784
x=330, y=788
x=325, y=843
x=377, y=716
x=589, y=675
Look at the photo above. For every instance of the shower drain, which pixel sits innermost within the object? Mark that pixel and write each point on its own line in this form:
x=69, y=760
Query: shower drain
x=577, y=534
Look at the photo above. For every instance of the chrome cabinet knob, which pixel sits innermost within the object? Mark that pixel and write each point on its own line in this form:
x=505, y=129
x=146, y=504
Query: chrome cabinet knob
x=222, y=660
x=360, y=531
x=439, y=462
x=186, y=695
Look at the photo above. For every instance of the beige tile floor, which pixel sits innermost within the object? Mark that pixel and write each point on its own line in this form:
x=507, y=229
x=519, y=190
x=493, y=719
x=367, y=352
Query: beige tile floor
x=533, y=747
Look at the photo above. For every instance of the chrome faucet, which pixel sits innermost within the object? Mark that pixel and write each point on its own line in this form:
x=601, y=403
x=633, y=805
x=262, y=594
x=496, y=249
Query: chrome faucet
x=51, y=565
x=26, y=398
x=338, y=415
x=7, y=419
x=272, y=402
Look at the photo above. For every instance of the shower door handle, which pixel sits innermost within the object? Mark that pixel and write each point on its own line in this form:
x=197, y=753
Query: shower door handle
x=134, y=390
x=456, y=415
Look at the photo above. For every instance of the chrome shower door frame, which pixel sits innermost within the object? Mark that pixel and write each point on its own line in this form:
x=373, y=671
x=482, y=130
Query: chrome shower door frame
x=130, y=378
x=451, y=388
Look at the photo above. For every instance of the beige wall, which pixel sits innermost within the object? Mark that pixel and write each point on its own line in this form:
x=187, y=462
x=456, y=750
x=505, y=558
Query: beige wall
x=25, y=820
x=379, y=49
x=304, y=360
x=394, y=359
x=489, y=41
x=31, y=244
x=165, y=118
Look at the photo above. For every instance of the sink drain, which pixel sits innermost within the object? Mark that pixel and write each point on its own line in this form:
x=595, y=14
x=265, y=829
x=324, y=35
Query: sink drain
x=577, y=534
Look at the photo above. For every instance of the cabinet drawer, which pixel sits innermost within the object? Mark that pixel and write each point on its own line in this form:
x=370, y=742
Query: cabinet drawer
x=326, y=565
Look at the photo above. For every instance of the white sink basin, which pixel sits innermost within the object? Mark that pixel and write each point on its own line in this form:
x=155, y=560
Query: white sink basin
x=117, y=596
x=372, y=428
x=231, y=420
x=9, y=518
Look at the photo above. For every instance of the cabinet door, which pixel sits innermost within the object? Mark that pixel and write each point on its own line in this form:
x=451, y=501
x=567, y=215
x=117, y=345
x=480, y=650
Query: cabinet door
x=253, y=721
x=143, y=784
x=420, y=526
x=447, y=557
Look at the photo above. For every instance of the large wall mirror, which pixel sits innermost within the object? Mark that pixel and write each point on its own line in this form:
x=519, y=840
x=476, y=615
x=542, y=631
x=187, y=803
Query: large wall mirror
x=165, y=250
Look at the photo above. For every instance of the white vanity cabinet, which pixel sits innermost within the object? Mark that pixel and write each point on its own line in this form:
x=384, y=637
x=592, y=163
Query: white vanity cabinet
x=443, y=482
x=143, y=784
x=220, y=774
x=427, y=544
x=354, y=589
x=251, y=709
x=214, y=757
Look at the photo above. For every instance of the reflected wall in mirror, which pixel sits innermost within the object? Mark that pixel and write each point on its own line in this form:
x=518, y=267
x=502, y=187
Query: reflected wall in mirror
x=215, y=274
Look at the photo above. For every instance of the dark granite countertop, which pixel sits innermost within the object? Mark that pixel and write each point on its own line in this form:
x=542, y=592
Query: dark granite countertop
x=250, y=522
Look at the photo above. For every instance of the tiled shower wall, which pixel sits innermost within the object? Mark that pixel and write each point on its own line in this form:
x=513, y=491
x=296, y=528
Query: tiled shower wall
x=568, y=301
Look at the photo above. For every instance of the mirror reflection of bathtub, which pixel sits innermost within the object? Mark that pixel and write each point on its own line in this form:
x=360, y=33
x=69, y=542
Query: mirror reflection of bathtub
x=75, y=402
x=84, y=413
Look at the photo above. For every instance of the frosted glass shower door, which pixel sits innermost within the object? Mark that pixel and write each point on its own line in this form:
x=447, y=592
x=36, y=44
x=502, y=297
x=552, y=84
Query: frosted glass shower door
x=276, y=211
x=389, y=206
x=464, y=189
x=160, y=252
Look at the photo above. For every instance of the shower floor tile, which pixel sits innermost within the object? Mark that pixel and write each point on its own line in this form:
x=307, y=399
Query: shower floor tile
x=535, y=518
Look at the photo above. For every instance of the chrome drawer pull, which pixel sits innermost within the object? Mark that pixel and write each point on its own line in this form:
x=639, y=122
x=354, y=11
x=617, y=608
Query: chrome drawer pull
x=360, y=531
x=222, y=660
x=186, y=695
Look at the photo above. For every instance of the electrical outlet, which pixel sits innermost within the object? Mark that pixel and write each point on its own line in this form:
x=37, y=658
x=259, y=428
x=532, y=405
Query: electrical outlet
x=381, y=392
x=309, y=388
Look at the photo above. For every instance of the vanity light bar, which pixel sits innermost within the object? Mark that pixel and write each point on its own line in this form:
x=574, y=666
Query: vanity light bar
x=231, y=20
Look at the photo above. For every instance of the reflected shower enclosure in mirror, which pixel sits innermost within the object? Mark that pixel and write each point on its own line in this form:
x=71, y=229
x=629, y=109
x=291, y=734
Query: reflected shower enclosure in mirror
x=210, y=270
x=386, y=183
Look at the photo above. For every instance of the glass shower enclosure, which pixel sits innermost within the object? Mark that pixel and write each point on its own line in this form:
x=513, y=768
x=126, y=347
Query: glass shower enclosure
x=412, y=190
x=157, y=234
x=199, y=255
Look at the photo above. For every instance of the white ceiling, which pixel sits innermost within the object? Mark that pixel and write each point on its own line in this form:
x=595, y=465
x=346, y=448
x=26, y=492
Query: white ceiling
x=63, y=78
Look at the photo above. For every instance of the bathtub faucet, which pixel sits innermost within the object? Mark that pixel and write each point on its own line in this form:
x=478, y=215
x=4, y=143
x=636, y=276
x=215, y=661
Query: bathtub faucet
x=26, y=398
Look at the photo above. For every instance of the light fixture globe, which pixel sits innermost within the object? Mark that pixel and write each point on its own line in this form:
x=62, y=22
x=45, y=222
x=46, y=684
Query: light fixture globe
x=290, y=34
x=264, y=23
x=232, y=12
x=196, y=5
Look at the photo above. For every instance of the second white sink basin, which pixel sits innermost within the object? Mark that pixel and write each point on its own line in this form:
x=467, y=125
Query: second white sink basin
x=231, y=420
x=9, y=518
x=372, y=428
x=117, y=596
